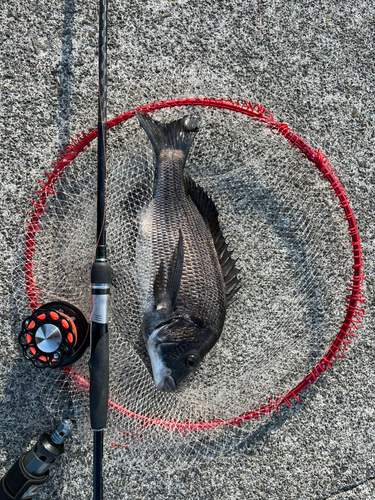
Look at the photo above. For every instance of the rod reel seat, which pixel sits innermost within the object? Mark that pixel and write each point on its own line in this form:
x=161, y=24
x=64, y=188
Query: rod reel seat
x=55, y=335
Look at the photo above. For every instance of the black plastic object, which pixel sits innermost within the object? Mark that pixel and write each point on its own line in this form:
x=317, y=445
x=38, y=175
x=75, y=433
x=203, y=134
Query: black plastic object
x=18, y=483
x=55, y=335
x=101, y=272
x=31, y=470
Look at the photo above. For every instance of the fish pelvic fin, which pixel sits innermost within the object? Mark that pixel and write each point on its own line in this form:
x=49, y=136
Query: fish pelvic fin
x=168, y=279
x=208, y=211
x=177, y=135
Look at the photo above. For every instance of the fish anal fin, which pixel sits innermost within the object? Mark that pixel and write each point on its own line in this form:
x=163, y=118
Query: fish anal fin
x=208, y=210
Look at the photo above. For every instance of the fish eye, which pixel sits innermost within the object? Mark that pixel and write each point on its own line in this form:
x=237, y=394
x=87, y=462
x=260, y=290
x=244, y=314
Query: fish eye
x=191, y=361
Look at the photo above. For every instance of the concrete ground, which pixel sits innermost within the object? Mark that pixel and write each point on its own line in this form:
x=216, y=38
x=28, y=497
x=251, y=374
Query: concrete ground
x=314, y=69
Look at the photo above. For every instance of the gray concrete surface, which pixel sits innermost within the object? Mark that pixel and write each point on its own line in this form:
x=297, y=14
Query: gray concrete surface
x=313, y=69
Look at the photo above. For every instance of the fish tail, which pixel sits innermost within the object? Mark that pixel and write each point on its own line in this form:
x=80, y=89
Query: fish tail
x=178, y=135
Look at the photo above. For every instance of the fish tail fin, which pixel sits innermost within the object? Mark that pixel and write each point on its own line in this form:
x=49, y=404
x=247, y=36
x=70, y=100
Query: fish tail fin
x=178, y=135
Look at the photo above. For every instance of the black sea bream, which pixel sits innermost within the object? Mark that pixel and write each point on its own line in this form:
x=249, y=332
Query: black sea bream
x=187, y=276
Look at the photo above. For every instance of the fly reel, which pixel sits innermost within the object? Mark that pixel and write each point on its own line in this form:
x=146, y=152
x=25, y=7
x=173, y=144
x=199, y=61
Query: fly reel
x=55, y=335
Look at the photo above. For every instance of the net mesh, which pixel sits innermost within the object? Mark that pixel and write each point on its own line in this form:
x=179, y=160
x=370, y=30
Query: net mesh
x=291, y=242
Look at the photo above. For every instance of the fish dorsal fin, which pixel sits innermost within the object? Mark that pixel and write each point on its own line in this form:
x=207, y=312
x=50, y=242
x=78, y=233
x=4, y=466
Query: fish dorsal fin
x=209, y=213
x=178, y=135
x=168, y=278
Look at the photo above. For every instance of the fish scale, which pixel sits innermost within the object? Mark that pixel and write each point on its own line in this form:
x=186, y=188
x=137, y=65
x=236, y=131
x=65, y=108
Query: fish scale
x=172, y=210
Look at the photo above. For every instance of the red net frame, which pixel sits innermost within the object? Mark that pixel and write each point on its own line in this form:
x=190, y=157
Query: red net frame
x=354, y=298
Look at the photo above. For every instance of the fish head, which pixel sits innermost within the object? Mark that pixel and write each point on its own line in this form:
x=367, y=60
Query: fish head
x=175, y=349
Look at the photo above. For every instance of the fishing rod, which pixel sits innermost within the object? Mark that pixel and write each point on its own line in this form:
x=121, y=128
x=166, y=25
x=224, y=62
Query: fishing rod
x=100, y=279
x=56, y=334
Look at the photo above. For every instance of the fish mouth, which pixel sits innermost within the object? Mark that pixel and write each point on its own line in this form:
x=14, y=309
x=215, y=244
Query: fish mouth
x=161, y=373
x=169, y=383
x=163, y=379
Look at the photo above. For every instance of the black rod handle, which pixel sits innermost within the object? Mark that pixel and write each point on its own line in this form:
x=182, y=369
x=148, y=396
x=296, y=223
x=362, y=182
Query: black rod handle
x=99, y=361
x=99, y=376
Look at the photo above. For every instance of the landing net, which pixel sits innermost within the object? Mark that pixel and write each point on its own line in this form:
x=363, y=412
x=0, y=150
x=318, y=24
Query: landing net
x=287, y=219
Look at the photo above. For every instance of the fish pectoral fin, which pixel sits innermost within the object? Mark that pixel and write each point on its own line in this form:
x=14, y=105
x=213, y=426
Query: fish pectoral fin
x=175, y=270
x=162, y=300
x=167, y=280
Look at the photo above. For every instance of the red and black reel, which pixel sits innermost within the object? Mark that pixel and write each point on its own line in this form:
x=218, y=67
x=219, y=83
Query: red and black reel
x=55, y=335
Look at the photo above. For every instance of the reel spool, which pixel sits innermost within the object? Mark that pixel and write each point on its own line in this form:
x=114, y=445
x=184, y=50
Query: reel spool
x=55, y=335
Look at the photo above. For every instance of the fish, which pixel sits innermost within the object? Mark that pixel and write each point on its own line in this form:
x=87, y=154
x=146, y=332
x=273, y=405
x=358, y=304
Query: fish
x=187, y=277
